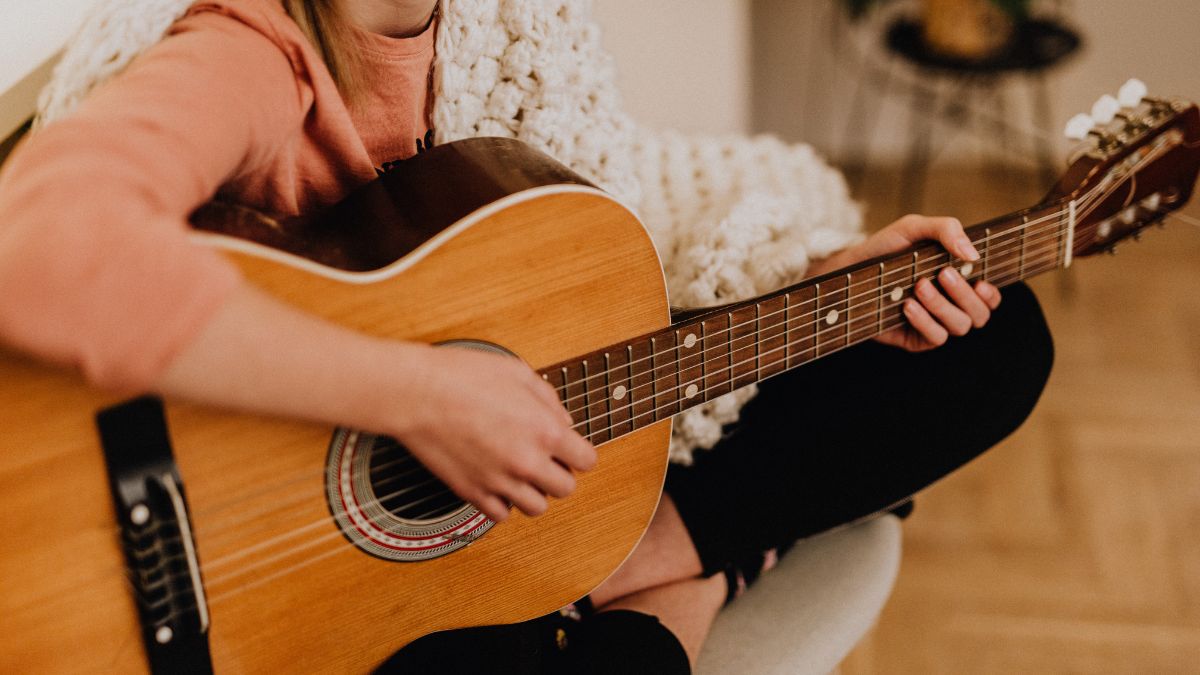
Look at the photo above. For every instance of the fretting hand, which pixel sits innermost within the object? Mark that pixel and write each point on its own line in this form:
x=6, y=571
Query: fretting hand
x=933, y=314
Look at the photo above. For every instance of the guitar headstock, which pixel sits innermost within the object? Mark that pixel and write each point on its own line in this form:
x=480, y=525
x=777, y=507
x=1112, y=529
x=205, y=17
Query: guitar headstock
x=1138, y=162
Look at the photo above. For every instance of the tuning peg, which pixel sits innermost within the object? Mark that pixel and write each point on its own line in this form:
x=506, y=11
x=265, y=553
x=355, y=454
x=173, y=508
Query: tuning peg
x=1105, y=109
x=1132, y=93
x=1079, y=126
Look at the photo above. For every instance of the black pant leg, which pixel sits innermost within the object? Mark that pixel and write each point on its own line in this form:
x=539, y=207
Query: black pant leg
x=859, y=431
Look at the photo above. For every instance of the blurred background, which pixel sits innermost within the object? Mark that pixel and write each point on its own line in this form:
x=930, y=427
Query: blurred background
x=1073, y=547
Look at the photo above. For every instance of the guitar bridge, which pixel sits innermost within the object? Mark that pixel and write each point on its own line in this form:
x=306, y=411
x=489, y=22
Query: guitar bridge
x=156, y=536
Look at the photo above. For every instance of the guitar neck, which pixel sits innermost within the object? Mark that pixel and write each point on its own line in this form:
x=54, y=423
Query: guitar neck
x=710, y=352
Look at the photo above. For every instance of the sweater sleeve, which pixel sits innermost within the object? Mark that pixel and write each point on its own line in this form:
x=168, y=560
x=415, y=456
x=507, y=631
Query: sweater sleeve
x=97, y=271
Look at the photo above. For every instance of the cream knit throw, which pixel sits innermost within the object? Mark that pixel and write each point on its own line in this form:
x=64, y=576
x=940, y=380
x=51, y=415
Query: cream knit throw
x=731, y=217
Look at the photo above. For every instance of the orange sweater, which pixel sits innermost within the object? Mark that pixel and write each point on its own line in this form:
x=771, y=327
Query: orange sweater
x=96, y=269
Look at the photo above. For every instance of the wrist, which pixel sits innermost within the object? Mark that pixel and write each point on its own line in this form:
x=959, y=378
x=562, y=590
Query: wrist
x=400, y=377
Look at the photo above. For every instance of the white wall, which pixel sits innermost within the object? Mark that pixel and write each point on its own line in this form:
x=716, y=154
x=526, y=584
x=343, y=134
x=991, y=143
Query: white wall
x=804, y=92
x=682, y=64
x=31, y=34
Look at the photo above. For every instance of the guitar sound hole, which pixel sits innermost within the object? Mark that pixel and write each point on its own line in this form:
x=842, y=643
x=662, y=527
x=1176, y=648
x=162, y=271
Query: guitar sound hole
x=404, y=487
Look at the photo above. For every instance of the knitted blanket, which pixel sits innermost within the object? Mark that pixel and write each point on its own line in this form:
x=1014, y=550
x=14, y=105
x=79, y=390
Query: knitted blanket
x=732, y=217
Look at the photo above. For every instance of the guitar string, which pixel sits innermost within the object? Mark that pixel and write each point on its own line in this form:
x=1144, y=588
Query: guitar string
x=722, y=357
x=1012, y=232
x=898, y=271
x=290, y=550
x=790, y=324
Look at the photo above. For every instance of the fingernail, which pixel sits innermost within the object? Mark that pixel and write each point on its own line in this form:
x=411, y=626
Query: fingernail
x=950, y=275
x=985, y=289
x=925, y=288
x=966, y=250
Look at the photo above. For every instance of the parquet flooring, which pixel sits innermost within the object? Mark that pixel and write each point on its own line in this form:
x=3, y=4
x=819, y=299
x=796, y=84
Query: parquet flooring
x=1074, y=546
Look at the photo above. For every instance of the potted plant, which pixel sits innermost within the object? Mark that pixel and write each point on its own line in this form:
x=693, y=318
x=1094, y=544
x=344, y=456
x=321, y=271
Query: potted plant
x=965, y=29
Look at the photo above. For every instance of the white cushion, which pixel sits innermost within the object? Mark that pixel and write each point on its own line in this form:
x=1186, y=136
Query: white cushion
x=806, y=615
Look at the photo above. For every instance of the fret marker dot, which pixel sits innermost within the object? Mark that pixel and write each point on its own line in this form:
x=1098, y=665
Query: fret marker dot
x=691, y=391
x=140, y=514
x=967, y=269
x=619, y=392
x=690, y=340
x=897, y=293
x=832, y=317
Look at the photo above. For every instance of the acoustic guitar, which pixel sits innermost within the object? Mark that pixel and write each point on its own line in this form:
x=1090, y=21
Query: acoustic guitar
x=149, y=535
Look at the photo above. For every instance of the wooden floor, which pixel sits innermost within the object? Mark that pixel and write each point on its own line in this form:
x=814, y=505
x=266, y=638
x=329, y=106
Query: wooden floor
x=1074, y=546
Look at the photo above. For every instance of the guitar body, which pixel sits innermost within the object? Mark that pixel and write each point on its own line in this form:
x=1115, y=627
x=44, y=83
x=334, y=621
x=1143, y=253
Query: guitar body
x=553, y=270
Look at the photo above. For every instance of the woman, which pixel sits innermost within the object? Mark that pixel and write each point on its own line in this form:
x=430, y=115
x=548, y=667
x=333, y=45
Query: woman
x=286, y=107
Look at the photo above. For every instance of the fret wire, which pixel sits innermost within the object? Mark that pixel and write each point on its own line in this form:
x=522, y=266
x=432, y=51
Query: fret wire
x=740, y=349
x=772, y=330
x=678, y=359
x=630, y=370
x=729, y=350
x=817, y=318
x=645, y=371
x=1062, y=220
x=787, y=317
x=879, y=300
x=677, y=370
x=757, y=332
x=847, y=322
x=654, y=377
x=608, y=388
x=587, y=398
x=1024, y=222
x=987, y=244
x=623, y=380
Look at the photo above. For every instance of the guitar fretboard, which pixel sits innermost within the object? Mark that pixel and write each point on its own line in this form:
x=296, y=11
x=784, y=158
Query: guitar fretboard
x=708, y=353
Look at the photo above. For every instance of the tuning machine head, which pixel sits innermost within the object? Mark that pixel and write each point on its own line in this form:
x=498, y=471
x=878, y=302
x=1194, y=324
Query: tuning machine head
x=1079, y=126
x=1131, y=93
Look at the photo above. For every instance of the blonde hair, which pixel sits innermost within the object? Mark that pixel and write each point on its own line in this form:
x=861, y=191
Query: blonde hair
x=322, y=22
